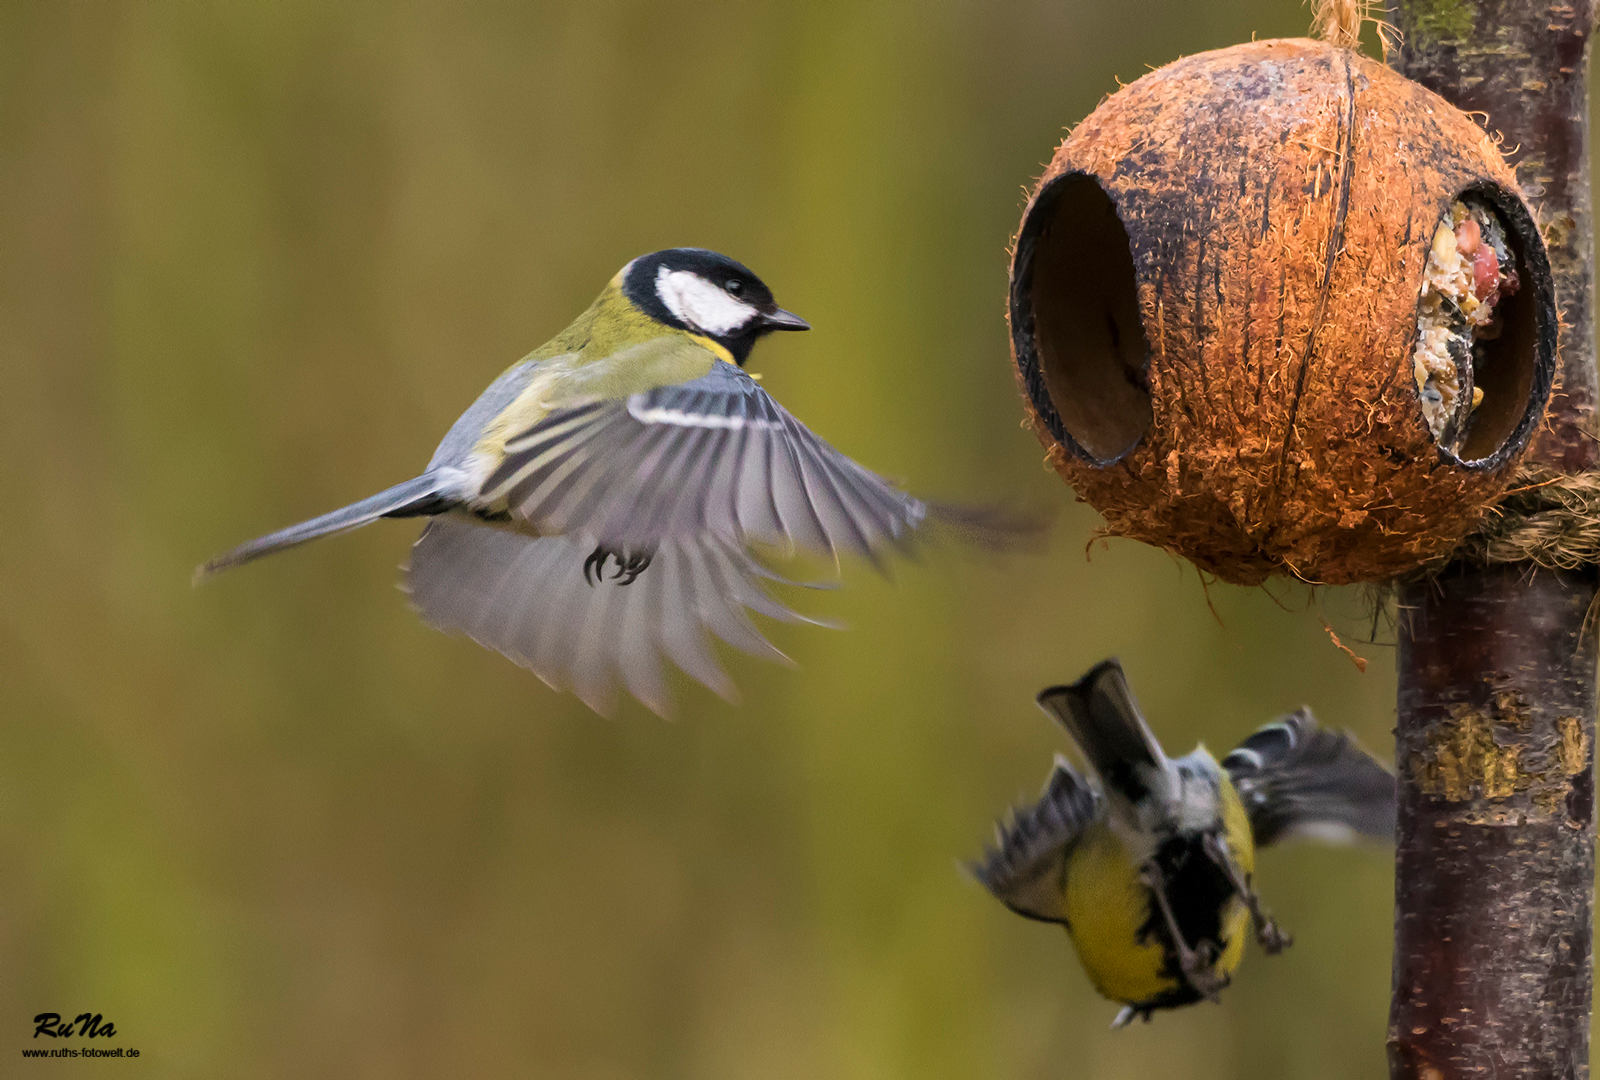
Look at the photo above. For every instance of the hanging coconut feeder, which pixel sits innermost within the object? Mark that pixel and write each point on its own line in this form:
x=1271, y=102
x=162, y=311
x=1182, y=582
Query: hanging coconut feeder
x=1278, y=309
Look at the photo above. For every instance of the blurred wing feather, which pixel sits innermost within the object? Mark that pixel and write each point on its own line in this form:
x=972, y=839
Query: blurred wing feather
x=1027, y=868
x=526, y=597
x=1298, y=779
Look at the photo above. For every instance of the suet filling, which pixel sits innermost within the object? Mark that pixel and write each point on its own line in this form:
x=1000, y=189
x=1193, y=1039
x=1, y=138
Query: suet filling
x=1470, y=270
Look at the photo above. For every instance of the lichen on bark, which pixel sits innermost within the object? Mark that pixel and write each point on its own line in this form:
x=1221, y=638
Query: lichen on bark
x=1430, y=21
x=1493, y=752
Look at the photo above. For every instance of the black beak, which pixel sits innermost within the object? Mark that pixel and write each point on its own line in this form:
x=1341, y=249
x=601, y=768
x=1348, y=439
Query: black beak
x=783, y=320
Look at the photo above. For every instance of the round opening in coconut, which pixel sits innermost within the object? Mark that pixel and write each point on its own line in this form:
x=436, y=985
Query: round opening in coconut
x=1278, y=309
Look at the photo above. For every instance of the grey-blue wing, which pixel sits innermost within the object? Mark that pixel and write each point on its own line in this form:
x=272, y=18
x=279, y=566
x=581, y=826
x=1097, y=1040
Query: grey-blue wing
x=1026, y=869
x=688, y=476
x=1298, y=779
x=715, y=456
x=464, y=434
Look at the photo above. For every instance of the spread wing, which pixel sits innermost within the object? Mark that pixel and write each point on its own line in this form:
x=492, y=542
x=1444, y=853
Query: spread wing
x=716, y=455
x=1027, y=869
x=1297, y=779
x=677, y=479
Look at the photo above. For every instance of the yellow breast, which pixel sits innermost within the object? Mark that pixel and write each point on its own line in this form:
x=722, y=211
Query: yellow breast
x=1236, y=827
x=1107, y=905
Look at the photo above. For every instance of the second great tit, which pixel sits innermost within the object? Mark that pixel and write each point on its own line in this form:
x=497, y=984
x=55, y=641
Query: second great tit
x=632, y=442
x=1148, y=865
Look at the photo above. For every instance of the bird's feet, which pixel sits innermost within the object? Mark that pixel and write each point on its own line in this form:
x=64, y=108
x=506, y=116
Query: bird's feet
x=1195, y=962
x=1196, y=965
x=630, y=564
x=1269, y=935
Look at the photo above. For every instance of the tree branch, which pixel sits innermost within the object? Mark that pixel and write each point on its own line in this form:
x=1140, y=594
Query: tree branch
x=1494, y=888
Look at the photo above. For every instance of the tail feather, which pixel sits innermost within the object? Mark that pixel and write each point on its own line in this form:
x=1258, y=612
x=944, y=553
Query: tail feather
x=1100, y=714
x=402, y=500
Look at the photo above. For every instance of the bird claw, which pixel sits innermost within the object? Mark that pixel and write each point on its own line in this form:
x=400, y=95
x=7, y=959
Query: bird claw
x=1272, y=938
x=1195, y=962
x=632, y=568
x=629, y=565
x=1269, y=935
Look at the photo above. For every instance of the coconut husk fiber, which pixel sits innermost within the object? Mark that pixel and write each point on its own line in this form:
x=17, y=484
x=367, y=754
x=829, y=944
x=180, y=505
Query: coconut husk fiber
x=1546, y=518
x=1214, y=308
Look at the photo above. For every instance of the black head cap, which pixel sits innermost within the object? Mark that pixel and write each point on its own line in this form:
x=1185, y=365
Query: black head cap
x=705, y=293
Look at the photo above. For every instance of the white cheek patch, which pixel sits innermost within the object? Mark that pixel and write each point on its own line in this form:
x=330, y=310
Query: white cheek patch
x=698, y=303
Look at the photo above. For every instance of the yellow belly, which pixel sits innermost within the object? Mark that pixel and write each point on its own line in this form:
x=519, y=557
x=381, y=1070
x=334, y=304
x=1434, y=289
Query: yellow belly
x=1107, y=904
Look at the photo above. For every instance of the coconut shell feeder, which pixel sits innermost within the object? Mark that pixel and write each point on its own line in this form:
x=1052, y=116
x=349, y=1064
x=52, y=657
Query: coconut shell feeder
x=1280, y=310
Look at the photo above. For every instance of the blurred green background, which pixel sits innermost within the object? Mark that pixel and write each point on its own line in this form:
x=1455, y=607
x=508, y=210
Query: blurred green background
x=256, y=257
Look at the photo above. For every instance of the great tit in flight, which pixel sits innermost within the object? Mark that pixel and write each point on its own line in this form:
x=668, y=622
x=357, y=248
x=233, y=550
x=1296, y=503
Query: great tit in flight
x=1148, y=863
x=601, y=504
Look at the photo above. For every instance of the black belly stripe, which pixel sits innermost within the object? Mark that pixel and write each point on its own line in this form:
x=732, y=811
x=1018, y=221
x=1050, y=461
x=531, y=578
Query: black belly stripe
x=1198, y=891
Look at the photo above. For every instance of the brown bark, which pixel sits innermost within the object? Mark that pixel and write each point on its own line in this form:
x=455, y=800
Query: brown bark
x=1494, y=888
x=1495, y=865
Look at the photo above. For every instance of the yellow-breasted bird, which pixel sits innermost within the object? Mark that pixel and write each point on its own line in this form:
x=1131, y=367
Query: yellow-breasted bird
x=1148, y=865
x=633, y=441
